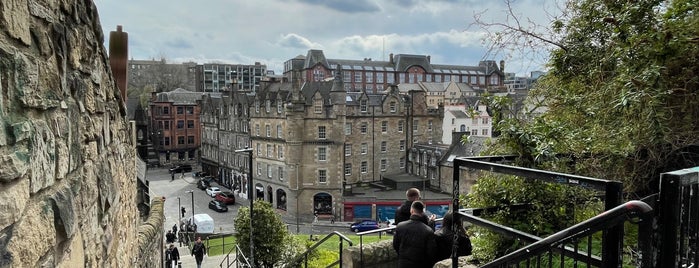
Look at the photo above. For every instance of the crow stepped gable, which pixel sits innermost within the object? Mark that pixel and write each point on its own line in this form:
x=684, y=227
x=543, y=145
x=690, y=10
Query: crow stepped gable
x=67, y=176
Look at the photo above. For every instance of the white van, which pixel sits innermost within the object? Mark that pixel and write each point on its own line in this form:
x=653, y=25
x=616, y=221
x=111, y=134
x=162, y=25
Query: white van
x=204, y=222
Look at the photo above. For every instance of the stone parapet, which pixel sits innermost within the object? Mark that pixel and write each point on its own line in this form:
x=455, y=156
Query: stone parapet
x=150, y=236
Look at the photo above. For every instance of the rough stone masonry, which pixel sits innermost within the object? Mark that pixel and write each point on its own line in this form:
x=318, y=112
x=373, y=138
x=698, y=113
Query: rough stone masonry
x=67, y=176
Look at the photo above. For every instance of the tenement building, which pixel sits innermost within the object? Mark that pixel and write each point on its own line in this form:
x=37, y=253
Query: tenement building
x=175, y=127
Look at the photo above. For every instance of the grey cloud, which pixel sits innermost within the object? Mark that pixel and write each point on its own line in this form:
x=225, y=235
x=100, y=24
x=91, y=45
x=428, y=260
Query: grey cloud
x=179, y=43
x=352, y=6
x=296, y=41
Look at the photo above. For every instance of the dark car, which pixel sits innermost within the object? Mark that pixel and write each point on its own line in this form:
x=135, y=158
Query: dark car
x=365, y=225
x=218, y=206
x=200, y=174
x=181, y=168
x=227, y=198
x=205, y=182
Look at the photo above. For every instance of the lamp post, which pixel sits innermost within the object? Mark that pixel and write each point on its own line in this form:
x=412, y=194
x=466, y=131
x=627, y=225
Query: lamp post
x=250, y=197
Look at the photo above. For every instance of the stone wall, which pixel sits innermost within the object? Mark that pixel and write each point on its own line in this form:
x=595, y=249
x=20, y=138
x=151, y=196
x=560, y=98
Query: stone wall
x=67, y=168
x=150, y=237
x=382, y=255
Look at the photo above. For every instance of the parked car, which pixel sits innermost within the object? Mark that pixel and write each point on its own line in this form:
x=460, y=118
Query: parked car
x=227, y=198
x=365, y=225
x=200, y=174
x=181, y=168
x=212, y=191
x=218, y=206
x=205, y=182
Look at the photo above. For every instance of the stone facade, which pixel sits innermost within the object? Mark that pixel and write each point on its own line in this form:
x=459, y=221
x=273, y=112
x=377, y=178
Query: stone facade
x=67, y=176
x=382, y=255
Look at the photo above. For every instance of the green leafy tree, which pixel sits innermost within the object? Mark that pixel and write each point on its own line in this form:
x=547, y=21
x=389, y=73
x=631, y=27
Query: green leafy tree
x=273, y=244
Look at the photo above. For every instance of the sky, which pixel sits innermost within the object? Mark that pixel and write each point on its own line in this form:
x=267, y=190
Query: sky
x=274, y=31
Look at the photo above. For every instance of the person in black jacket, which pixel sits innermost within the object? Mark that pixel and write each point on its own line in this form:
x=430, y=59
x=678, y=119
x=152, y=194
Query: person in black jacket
x=403, y=212
x=445, y=239
x=414, y=241
x=172, y=256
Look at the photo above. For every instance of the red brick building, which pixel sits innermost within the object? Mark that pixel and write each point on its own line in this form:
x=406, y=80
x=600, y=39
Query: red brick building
x=175, y=127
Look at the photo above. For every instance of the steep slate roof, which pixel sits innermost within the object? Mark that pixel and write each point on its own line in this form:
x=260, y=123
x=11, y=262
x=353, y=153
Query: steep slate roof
x=308, y=89
x=434, y=86
x=458, y=113
x=131, y=106
x=314, y=57
x=405, y=61
x=405, y=87
x=473, y=147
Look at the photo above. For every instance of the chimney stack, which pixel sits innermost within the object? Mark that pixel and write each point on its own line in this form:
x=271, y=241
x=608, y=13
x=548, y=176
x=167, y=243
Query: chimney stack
x=118, y=59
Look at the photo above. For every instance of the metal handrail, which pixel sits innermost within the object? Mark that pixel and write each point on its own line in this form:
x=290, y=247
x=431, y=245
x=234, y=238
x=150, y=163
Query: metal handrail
x=226, y=259
x=317, y=244
x=603, y=221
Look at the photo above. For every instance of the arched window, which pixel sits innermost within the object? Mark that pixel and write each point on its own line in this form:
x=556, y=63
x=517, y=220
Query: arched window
x=322, y=204
x=281, y=199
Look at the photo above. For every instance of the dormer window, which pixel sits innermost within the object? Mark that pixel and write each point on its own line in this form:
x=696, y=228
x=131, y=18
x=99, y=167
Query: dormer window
x=392, y=106
x=363, y=106
x=318, y=106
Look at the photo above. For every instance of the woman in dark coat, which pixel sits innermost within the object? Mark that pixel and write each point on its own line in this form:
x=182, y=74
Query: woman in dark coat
x=445, y=239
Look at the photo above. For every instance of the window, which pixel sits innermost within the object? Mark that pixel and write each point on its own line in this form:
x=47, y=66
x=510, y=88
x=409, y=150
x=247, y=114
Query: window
x=180, y=140
x=447, y=78
x=190, y=123
x=485, y=132
x=167, y=124
x=322, y=176
x=280, y=152
x=269, y=171
x=348, y=149
x=364, y=148
x=401, y=145
x=429, y=125
x=257, y=130
x=348, y=169
x=166, y=110
x=363, y=168
x=415, y=123
x=257, y=106
x=267, y=106
x=400, y=126
x=347, y=76
x=494, y=80
x=279, y=109
x=322, y=154
x=481, y=79
x=383, y=146
x=473, y=80
x=190, y=110
x=180, y=110
x=401, y=78
x=190, y=139
x=259, y=149
x=383, y=165
x=259, y=169
x=180, y=124
x=485, y=120
x=428, y=78
x=321, y=132
x=268, y=130
x=318, y=106
x=280, y=170
x=279, y=131
x=363, y=106
x=348, y=128
x=402, y=162
x=438, y=78
x=270, y=150
x=390, y=78
x=363, y=128
x=167, y=141
x=379, y=78
x=369, y=77
x=357, y=76
x=392, y=106
x=384, y=126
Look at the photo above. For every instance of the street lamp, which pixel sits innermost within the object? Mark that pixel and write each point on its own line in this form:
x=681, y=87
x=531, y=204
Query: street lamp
x=252, y=246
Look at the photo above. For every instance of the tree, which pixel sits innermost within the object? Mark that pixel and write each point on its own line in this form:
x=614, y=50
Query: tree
x=621, y=91
x=272, y=241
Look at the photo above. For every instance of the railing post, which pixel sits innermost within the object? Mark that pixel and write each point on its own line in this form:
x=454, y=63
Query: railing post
x=455, y=209
x=340, y=252
x=612, y=239
x=669, y=219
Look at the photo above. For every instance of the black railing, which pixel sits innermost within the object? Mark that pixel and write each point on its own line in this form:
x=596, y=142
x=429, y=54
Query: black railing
x=240, y=261
x=677, y=241
x=612, y=238
x=570, y=241
x=303, y=257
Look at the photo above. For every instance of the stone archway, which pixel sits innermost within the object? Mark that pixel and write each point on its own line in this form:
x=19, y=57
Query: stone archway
x=270, y=195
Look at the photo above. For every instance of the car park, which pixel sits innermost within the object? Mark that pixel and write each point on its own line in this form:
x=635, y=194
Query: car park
x=227, y=198
x=212, y=191
x=365, y=225
x=218, y=206
x=181, y=168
